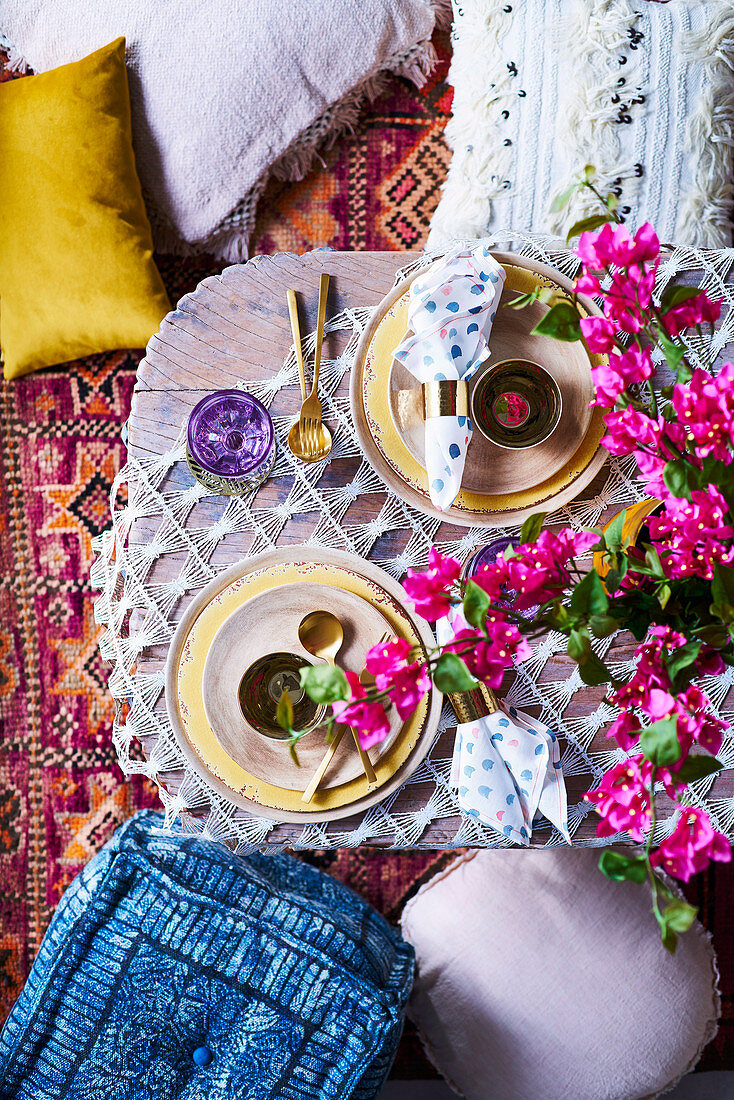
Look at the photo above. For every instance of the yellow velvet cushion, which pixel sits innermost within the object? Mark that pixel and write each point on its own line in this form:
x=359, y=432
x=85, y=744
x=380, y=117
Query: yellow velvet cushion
x=76, y=257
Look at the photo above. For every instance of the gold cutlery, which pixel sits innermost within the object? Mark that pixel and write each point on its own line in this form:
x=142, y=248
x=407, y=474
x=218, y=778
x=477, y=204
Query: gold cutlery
x=309, y=439
x=322, y=635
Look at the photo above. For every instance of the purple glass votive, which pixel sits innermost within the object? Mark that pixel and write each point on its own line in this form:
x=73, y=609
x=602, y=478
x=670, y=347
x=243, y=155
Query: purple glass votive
x=485, y=556
x=230, y=445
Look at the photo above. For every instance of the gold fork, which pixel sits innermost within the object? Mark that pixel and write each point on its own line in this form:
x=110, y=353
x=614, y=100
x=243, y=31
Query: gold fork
x=309, y=439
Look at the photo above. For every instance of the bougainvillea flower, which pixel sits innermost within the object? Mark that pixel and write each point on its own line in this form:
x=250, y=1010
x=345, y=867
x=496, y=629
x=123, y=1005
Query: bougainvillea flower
x=487, y=658
x=629, y=429
x=599, y=333
x=613, y=245
x=705, y=405
x=622, y=800
x=691, y=536
x=626, y=730
x=369, y=719
x=429, y=590
x=691, y=846
x=692, y=311
x=630, y=368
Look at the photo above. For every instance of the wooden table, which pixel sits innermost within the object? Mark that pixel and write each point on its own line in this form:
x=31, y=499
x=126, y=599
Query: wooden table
x=236, y=327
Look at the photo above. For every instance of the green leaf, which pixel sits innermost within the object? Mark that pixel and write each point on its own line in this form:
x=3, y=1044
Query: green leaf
x=613, y=533
x=603, y=625
x=532, y=527
x=586, y=225
x=594, y=672
x=681, y=658
x=562, y=199
x=668, y=936
x=674, y=353
x=620, y=867
x=674, y=294
x=612, y=201
x=324, y=683
x=476, y=605
x=284, y=712
x=664, y=595
x=451, y=674
x=679, y=915
x=579, y=646
x=698, y=767
x=589, y=597
x=713, y=634
x=659, y=742
x=589, y=173
x=722, y=585
x=680, y=477
x=653, y=560
x=561, y=322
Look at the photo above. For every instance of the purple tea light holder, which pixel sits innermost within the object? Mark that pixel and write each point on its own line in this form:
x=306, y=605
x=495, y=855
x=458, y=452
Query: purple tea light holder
x=230, y=442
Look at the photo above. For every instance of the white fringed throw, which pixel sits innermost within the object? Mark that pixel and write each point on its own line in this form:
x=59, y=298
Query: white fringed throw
x=643, y=91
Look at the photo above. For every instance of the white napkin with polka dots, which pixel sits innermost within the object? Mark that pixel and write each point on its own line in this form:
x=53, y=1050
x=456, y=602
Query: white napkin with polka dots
x=450, y=316
x=507, y=766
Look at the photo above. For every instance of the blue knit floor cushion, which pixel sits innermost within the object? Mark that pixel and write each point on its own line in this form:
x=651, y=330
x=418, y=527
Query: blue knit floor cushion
x=175, y=969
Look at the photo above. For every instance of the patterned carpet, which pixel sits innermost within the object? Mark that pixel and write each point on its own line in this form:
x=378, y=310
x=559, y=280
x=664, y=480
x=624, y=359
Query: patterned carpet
x=61, y=791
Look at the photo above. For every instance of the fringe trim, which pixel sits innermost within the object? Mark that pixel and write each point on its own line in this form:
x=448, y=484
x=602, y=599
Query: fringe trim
x=595, y=33
x=15, y=63
x=230, y=240
x=706, y=216
x=480, y=165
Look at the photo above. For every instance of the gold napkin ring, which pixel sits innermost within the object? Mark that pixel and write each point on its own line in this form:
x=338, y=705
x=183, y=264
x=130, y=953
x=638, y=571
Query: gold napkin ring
x=447, y=397
x=470, y=706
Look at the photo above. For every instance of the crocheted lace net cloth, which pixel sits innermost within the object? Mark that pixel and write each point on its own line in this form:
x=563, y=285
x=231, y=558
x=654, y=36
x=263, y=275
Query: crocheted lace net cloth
x=120, y=572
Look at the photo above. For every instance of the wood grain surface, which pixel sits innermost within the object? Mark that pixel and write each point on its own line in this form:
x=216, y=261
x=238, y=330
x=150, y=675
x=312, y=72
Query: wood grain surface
x=234, y=327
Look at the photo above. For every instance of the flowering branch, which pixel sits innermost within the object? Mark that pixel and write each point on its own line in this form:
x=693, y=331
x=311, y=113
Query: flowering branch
x=671, y=587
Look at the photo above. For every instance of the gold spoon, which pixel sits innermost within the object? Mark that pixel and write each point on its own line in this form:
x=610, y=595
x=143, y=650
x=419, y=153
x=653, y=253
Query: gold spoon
x=322, y=635
x=309, y=439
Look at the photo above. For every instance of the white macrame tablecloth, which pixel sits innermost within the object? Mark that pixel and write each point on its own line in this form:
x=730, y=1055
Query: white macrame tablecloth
x=121, y=573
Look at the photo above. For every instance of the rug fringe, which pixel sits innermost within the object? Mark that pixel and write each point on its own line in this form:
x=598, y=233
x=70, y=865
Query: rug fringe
x=706, y=216
x=230, y=241
x=15, y=63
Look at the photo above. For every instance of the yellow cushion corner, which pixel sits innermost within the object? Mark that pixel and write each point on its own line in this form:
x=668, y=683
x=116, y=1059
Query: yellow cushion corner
x=77, y=274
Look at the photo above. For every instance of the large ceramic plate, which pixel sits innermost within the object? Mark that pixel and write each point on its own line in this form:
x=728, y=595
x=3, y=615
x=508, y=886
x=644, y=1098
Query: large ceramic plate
x=184, y=683
x=267, y=624
x=502, y=487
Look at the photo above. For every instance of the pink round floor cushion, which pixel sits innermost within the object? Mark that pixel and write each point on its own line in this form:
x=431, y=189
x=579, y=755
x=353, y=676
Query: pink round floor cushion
x=539, y=979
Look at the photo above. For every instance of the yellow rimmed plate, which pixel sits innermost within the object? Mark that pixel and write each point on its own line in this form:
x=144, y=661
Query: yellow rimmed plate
x=184, y=679
x=548, y=479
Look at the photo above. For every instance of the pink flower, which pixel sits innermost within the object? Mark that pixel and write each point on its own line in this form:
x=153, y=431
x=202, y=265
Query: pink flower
x=692, y=311
x=626, y=729
x=691, y=846
x=537, y=571
x=622, y=800
x=612, y=245
x=699, y=723
x=599, y=333
x=691, y=536
x=488, y=659
x=628, y=296
x=368, y=719
x=705, y=406
x=622, y=371
x=629, y=429
x=407, y=682
x=429, y=590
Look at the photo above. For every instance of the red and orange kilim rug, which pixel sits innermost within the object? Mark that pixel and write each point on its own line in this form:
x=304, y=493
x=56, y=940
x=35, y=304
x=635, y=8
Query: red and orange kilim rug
x=61, y=791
